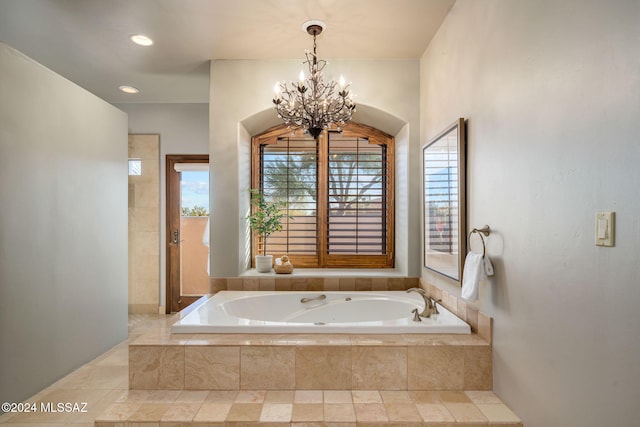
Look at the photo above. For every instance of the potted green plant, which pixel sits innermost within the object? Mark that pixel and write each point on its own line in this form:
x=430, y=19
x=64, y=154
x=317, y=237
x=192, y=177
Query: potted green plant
x=265, y=219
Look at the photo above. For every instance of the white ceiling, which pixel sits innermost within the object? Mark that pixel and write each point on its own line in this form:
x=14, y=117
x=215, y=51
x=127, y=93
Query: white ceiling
x=87, y=41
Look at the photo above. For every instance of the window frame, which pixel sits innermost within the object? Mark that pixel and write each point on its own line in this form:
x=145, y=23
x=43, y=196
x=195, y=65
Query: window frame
x=323, y=259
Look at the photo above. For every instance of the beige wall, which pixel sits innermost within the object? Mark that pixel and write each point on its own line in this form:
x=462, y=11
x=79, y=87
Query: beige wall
x=144, y=226
x=550, y=91
x=63, y=226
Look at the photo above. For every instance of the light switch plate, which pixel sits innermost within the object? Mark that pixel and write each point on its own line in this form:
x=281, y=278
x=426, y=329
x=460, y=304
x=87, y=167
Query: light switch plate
x=605, y=228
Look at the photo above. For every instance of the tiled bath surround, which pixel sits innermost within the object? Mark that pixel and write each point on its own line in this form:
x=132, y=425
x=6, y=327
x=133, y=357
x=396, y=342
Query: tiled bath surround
x=317, y=361
x=342, y=380
x=308, y=362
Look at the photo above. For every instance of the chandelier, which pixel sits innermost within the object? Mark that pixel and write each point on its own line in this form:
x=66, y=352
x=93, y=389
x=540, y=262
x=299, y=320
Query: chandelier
x=313, y=104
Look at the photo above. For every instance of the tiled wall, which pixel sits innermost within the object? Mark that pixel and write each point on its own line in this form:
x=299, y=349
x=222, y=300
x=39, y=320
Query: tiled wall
x=144, y=226
x=480, y=323
x=293, y=283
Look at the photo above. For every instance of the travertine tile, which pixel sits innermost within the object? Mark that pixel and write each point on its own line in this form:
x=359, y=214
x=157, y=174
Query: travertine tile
x=267, y=368
x=435, y=368
x=218, y=284
x=482, y=397
x=307, y=412
x=149, y=412
x=425, y=396
x=395, y=396
x=154, y=368
x=250, y=284
x=370, y=412
x=212, y=412
x=339, y=412
x=162, y=396
x=314, y=284
x=322, y=368
x=485, y=326
x=250, y=396
x=283, y=283
x=245, y=412
x=192, y=396
x=181, y=412
x=331, y=284
x=498, y=413
x=434, y=412
x=402, y=412
x=119, y=411
x=279, y=396
x=222, y=396
x=478, y=364
x=234, y=283
x=379, y=368
x=379, y=284
x=267, y=284
x=308, y=396
x=386, y=340
x=397, y=284
x=461, y=310
x=466, y=412
x=299, y=284
x=472, y=318
x=347, y=283
x=338, y=396
x=363, y=284
x=454, y=397
x=366, y=396
x=276, y=412
x=212, y=368
x=449, y=301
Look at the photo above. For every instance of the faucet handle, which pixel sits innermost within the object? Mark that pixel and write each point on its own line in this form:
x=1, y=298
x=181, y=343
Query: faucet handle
x=435, y=307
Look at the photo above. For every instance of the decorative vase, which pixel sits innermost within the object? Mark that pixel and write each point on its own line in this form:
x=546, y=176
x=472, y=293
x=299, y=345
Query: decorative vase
x=264, y=263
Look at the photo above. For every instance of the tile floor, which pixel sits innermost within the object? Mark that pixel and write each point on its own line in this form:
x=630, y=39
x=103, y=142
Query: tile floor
x=103, y=385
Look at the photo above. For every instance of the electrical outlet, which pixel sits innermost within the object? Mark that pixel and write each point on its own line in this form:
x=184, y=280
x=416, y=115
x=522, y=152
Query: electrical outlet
x=605, y=228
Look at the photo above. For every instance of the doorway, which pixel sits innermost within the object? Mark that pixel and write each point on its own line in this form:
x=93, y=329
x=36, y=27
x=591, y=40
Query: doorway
x=187, y=229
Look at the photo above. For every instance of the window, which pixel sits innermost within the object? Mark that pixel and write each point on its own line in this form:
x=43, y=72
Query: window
x=339, y=195
x=135, y=167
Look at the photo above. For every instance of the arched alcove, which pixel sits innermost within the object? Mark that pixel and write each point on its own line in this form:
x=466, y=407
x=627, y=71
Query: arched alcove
x=366, y=114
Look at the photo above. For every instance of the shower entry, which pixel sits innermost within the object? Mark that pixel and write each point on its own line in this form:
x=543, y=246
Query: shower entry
x=187, y=230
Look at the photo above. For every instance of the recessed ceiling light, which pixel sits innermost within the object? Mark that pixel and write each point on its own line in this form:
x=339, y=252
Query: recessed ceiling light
x=141, y=39
x=128, y=89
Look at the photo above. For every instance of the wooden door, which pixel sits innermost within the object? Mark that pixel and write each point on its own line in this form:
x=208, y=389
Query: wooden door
x=185, y=234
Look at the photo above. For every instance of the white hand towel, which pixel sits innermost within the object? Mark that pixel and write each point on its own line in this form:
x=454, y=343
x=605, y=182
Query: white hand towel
x=488, y=267
x=471, y=276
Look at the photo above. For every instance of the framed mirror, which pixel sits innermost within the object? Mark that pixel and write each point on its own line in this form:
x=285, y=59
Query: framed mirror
x=443, y=163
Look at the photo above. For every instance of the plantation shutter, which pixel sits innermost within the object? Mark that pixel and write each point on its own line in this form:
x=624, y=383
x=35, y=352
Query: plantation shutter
x=357, y=190
x=289, y=173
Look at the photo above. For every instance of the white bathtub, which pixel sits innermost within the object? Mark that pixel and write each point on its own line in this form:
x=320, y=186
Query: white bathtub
x=383, y=312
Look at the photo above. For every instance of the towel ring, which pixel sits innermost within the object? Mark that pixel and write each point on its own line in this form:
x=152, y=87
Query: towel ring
x=486, y=230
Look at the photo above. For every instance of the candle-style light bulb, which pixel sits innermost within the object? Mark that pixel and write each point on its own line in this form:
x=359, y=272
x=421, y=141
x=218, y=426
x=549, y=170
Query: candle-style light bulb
x=342, y=82
x=301, y=76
